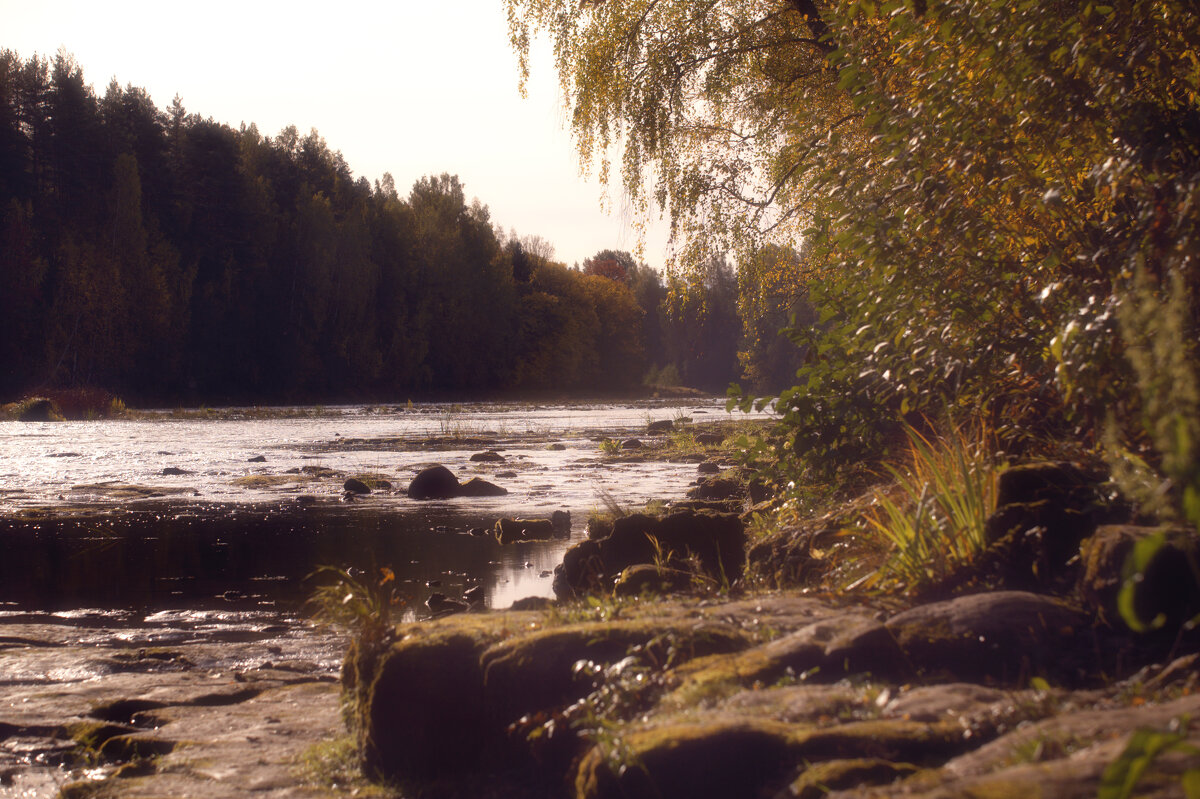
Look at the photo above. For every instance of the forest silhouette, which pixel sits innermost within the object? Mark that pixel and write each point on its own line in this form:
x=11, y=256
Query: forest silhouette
x=171, y=258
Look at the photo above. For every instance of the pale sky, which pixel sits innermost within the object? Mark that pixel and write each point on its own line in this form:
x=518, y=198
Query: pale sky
x=407, y=87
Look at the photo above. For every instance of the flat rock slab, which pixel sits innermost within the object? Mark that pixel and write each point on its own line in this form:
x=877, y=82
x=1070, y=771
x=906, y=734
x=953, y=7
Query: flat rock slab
x=172, y=707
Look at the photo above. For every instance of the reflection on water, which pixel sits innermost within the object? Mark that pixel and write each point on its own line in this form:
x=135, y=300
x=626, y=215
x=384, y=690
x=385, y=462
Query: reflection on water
x=207, y=513
x=258, y=556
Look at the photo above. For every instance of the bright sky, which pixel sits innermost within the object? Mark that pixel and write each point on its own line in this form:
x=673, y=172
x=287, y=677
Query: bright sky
x=407, y=87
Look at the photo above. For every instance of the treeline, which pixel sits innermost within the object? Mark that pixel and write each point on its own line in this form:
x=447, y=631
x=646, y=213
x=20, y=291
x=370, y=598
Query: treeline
x=172, y=258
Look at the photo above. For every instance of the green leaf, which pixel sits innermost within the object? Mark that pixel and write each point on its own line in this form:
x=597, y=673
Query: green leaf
x=1134, y=574
x=1190, y=782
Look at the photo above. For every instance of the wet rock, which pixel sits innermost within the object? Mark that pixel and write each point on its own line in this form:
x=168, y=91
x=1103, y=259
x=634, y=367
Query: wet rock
x=708, y=467
x=490, y=456
x=174, y=471
x=474, y=594
x=121, y=748
x=718, y=488
x=632, y=443
x=258, y=459
x=511, y=531
x=441, y=605
x=660, y=426
x=123, y=711
x=709, y=439
x=1007, y=636
x=561, y=519
x=716, y=540
x=355, y=486
x=556, y=447
x=478, y=487
x=434, y=482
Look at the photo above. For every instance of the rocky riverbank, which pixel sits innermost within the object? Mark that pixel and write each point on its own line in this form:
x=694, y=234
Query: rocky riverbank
x=1020, y=676
x=672, y=665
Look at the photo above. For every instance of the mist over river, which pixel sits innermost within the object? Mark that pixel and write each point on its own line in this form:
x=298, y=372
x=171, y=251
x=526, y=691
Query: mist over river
x=232, y=510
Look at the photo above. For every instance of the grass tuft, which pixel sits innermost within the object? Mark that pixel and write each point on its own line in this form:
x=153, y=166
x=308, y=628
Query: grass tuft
x=935, y=520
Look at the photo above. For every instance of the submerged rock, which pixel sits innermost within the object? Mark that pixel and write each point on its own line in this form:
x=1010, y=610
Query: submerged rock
x=511, y=531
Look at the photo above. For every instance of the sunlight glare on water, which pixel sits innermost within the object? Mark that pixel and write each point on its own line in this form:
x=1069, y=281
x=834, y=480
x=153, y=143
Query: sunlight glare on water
x=48, y=463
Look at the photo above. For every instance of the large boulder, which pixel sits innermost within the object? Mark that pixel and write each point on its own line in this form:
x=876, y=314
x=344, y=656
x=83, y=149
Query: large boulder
x=434, y=482
x=1007, y=636
x=438, y=482
x=422, y=713
x=715, y=541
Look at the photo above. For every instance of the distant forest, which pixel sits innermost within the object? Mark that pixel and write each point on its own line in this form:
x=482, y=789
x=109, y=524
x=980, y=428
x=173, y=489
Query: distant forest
x=173, y=259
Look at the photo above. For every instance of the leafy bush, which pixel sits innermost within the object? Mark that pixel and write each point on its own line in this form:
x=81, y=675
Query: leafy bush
x=1023, y=162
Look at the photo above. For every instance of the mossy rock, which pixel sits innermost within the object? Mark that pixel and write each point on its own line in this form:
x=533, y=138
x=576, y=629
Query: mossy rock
x=747, y=758
x=647, y=578
x=827, y=650
x=717, y=540
x=37, y=409
x=1005, y=636
x=439, y=700
x=424, y=713
x=536, y=672
x=836, y=775
x=92, y=735
x=124, y=748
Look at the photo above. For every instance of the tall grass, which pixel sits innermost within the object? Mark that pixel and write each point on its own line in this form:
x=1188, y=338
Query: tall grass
x=934, y=521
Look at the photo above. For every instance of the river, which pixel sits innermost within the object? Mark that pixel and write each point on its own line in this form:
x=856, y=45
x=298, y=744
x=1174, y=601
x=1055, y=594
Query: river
x=231, y=510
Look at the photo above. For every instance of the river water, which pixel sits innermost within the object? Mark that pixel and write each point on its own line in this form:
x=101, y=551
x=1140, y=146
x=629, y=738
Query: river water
x=235, y=509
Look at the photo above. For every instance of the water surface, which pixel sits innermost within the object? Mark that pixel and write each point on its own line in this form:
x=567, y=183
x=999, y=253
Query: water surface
x=236, y=510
